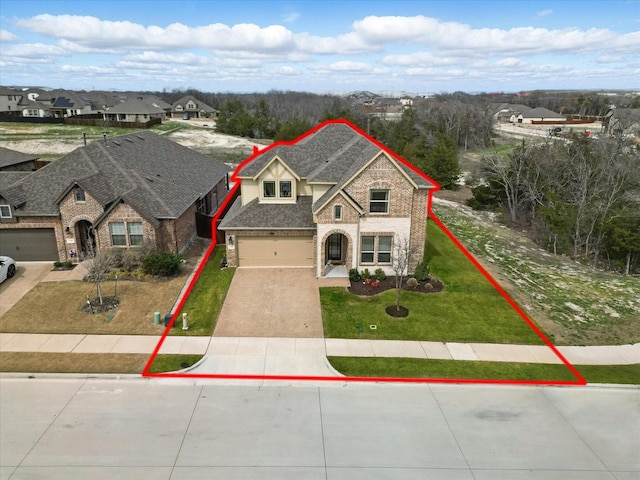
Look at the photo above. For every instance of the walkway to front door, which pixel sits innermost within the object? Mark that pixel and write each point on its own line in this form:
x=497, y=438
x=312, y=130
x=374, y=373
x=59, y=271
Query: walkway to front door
x=271, y=302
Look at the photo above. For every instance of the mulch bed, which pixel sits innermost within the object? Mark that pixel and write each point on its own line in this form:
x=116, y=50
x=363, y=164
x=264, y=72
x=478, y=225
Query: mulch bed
x=108, y=303
x=389, y=283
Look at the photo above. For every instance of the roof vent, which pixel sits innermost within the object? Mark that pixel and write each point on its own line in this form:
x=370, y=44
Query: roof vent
x=140, y=137
x=115, y=142
x=129, y=140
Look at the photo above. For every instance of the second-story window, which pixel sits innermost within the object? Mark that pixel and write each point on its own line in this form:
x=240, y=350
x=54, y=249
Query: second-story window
x=269, y=189
x=379, y=201
x=285, y=189
x=79, y=195
x=337, y=212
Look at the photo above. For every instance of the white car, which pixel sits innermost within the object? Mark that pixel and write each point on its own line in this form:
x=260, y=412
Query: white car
x=7, y=268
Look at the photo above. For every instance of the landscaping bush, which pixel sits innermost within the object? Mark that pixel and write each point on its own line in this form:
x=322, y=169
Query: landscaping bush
x=412, y=283
x=380, y=275
x=354, y=275
x=365, y=274
x=161, y=263
x=422, y=271
x=68, y=264
x=57, y=264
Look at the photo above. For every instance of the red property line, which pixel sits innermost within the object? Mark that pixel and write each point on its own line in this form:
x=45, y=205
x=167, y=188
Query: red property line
x=231, y=196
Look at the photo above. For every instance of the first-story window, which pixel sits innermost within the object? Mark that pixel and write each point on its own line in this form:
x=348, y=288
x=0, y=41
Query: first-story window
x=135, y=233
x=5, y=211
x=384, y=249
x=375, y=249
x=118, y=234
x=268, y=189
x=367, y=249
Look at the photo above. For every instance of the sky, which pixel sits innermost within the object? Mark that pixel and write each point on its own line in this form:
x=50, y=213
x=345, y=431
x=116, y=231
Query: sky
x=417, y=47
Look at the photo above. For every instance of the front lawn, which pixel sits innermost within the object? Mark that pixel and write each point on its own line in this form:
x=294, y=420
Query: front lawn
x=456, y=369
x=468, y=310
x=206, y=298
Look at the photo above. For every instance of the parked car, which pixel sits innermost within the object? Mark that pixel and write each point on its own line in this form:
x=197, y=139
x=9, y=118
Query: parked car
x=7, y=268
x=186, y=116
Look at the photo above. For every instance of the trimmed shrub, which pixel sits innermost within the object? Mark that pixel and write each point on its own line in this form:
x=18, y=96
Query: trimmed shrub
x=57, y=264
x=68, y=264
x=412, y=283
x=354, y=275
x=423, y=271
x=365, y=273
x=380, y=275
x=161, y=263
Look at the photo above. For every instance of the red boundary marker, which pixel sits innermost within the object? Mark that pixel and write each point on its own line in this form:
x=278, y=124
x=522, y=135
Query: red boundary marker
x=231, y=195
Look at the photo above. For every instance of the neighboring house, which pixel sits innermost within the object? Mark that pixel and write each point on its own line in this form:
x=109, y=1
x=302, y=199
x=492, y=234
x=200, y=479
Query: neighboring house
x=66, y=103
x=541, y=114
x=333, y=197
x=194, y=107
x=133, y=110
x=10, y=102
x=119, y=193
x=623, y=121
x=12, y=161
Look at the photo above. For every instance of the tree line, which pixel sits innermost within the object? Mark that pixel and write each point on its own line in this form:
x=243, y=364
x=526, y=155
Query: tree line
x=579, y=197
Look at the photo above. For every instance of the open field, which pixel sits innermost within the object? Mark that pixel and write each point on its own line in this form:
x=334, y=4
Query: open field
x=573, y=303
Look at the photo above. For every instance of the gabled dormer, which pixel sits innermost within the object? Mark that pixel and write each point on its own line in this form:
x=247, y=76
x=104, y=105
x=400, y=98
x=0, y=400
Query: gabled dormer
x=276, y=182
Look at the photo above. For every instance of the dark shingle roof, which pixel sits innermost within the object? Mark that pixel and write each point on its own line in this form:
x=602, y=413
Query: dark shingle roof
x=156, y=176
x=332, y=154
x=133, y=106
x=10, y=157
x=270, y=216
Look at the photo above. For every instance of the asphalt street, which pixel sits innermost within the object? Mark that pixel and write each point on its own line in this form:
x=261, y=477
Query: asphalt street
x=130, y=428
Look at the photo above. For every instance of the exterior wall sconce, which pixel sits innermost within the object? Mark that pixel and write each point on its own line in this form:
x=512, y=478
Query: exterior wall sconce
x=230, y=242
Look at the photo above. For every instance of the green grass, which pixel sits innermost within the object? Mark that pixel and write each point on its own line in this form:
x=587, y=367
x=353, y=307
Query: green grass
x=173, y=363
x=468, y=310
x=207, y=296
x=455, y=369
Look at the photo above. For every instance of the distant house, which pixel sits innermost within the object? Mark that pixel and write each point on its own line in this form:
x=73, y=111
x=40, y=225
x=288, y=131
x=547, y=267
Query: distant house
x=332, y=198
x=623, y=121
x=12, y=161
x=133, y=110
x=10, y=102
x=66, y=103
x=541, y=114
x=119, y=193
x=194, y=107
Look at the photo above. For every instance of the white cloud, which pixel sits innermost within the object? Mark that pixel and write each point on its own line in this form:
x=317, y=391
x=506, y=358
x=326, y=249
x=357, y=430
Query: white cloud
x=7, y=36
x=291, y=17
x=32, y=50
x=609, y=58
x=545, y=13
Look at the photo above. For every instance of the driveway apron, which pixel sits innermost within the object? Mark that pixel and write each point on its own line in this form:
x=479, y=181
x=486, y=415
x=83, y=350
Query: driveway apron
x=271, y=302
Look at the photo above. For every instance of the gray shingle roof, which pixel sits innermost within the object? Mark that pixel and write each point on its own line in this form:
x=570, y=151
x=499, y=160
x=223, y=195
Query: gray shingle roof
x=133, y=106
x=156, y=176
x=10, y=157
x=270, y=216
x=333, y=154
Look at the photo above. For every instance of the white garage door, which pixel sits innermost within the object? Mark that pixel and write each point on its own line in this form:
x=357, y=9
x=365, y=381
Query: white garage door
x=275, y=251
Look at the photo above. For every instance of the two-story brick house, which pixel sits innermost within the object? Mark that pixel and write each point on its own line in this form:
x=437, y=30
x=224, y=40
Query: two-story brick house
x=332, y=197
x=117, y=193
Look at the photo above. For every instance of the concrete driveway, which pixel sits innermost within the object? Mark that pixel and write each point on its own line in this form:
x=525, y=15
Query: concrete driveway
x=28, y=275
x=271, y=302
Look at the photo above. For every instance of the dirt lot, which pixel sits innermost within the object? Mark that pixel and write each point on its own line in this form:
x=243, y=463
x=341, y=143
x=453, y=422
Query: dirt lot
x=33, y=139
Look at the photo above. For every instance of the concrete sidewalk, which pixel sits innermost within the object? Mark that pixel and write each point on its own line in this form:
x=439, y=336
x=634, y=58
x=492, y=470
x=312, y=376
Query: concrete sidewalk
x=317, y=347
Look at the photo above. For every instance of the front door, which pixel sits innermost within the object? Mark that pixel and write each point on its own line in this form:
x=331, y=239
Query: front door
x=334, y=248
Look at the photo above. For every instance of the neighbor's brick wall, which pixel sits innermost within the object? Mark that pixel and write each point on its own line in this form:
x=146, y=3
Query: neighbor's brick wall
x=177, y=235
x=71, y=212
x=122, y=213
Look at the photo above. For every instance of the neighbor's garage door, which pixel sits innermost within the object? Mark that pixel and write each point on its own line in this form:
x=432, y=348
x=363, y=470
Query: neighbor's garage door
x=29, y=244
x=275, y=252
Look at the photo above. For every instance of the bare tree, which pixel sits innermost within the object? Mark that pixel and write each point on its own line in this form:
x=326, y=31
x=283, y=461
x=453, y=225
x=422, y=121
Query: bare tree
x=402, y=253
x=98, y=267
